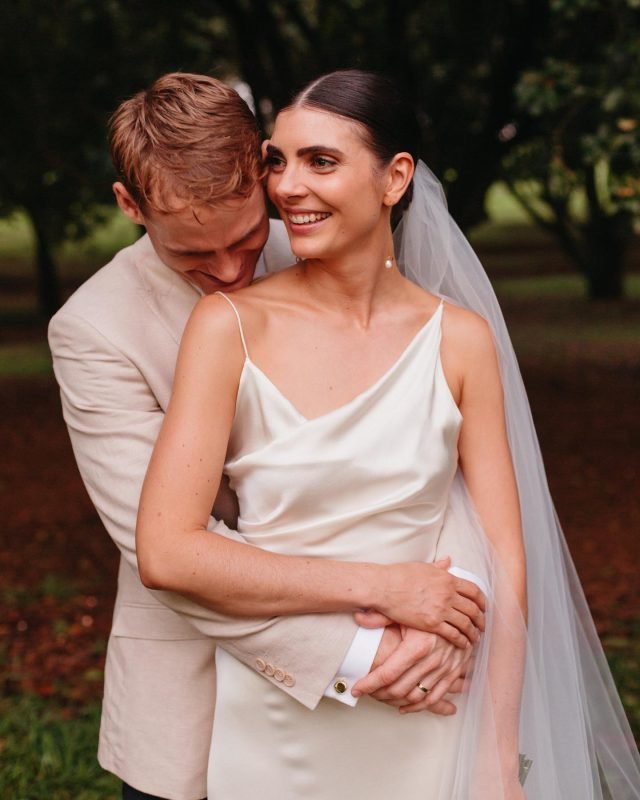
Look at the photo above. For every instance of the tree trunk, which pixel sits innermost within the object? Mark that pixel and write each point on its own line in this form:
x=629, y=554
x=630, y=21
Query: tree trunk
x=49, y=298
x=607, y=238
x=604, y=261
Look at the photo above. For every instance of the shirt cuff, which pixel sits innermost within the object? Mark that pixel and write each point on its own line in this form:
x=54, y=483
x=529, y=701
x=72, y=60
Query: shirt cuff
x=356, y=664
x=469, y=576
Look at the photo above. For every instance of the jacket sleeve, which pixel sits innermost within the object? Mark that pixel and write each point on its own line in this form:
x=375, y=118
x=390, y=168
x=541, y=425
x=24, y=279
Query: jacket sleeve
x=113, y=420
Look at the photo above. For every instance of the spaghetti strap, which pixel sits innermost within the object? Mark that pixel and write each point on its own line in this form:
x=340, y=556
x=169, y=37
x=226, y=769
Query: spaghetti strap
x=235, y=311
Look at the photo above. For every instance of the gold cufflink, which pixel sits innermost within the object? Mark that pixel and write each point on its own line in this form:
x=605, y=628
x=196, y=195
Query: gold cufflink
x=340, y=686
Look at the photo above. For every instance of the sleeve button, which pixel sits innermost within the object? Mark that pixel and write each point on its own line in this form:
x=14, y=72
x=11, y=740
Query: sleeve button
x=340, y=686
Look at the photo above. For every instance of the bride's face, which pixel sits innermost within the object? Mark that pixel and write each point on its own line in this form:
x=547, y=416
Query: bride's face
x=328, y=186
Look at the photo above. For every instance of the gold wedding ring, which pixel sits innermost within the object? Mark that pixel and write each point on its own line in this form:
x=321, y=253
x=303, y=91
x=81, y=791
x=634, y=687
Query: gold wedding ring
x=423, y=688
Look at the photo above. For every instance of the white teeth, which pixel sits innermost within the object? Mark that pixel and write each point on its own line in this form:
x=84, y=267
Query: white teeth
x=301, y=219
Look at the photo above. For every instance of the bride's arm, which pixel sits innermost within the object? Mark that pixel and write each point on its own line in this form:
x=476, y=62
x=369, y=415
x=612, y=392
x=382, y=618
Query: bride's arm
x=176, y=552
x=485, y=460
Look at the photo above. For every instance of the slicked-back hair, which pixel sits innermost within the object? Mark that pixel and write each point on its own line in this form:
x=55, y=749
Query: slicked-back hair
x=186, y=140
x=387, y=122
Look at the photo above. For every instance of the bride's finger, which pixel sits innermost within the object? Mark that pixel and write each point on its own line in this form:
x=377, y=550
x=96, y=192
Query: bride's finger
x=371, y=619
x=470, y=609
x=464, y=625
x=401, y=660
x=472, y=591
x=443, y=707
x=405, y=685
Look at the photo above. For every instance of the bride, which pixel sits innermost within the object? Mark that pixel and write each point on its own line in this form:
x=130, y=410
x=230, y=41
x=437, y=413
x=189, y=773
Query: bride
x=351, y=400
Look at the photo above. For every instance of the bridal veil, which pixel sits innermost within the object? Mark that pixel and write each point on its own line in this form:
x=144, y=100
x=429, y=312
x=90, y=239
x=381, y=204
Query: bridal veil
x=572, y=724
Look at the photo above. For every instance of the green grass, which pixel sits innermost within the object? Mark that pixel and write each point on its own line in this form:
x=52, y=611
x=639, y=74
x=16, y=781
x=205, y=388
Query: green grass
x=566, y=286
x=48, y=754
x=623, y=655
x=25, y=359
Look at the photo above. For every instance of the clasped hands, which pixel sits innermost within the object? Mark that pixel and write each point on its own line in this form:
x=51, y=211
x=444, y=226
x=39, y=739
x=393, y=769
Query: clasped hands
x=410, y=661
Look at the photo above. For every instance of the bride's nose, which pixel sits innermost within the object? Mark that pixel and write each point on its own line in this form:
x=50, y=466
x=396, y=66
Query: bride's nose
x=289, y=183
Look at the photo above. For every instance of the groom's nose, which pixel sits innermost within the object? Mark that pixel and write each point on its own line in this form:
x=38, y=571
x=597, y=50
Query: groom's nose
x=227, y=266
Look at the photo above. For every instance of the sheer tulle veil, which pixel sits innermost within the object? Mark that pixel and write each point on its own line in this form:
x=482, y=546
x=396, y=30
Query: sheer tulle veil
x=572, y=724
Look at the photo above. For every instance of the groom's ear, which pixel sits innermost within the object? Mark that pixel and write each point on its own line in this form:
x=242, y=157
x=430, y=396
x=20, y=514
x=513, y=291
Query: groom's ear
x=399, y=174
x=127, y=204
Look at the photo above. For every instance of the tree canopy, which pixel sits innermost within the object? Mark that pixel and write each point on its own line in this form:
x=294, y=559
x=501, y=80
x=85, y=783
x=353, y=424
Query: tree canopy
x=543, y=93
x=576, y=164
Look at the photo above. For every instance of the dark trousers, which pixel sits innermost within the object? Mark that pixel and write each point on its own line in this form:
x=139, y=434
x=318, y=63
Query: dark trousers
x=129, y=793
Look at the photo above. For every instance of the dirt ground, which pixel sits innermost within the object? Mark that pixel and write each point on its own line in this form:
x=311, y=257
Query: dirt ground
x=58, y=566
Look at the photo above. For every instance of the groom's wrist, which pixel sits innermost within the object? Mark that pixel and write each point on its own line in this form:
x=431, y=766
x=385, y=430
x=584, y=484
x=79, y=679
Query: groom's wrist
x=356, y=664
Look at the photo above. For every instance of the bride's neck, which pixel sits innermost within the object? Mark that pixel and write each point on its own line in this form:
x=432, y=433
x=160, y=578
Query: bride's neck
x=355, y=287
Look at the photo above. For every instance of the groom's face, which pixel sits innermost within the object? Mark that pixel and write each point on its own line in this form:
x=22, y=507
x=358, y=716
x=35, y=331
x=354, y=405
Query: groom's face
x=214, y=247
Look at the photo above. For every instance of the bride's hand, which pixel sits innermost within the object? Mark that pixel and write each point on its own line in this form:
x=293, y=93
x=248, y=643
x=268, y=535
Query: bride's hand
x=406, y=658
x=427, y=597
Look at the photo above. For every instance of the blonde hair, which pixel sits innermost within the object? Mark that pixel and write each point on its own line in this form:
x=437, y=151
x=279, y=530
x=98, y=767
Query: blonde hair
x=189, y=138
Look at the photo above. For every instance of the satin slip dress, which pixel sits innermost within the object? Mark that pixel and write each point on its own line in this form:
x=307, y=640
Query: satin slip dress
x=368, y=481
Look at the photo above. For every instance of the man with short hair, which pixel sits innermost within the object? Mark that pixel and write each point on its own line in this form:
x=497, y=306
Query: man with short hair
x=188, y=162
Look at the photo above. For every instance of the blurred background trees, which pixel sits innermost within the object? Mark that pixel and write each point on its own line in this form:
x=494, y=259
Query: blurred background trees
x=576, y=164
x=543, y=94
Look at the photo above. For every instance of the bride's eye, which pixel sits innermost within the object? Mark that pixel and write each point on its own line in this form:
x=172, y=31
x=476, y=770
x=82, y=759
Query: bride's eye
x=274, y=163
x=322, y=162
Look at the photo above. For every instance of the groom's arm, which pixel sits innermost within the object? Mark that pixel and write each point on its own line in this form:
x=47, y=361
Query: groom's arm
x=113, y=421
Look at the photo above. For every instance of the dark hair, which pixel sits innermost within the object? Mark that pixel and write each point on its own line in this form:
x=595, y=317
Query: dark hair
x=388, y=123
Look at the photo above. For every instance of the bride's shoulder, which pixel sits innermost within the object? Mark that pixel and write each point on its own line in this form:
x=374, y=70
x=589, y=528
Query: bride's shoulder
x=459, y=324
x=270, y=284
x=466, y=332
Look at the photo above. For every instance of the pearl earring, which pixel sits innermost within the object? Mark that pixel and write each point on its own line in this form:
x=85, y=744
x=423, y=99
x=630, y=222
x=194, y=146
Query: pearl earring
x=388, y=263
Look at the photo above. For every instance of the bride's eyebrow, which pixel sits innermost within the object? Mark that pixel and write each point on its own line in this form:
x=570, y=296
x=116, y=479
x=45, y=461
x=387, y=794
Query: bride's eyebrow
x=314, y=149
x=273, y=151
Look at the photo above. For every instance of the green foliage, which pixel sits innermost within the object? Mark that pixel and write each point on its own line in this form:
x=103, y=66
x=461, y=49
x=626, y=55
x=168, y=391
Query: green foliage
x=47, y=754
x=66, y=66
x=579, y=117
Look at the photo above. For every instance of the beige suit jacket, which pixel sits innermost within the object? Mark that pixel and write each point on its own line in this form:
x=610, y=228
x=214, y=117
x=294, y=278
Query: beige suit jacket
x=114, y=346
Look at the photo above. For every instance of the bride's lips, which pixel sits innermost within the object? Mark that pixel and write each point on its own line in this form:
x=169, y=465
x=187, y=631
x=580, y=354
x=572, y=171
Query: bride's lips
x=301, y=220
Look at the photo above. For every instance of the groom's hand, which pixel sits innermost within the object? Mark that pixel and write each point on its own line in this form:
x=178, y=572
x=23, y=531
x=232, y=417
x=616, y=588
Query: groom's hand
x=407, y=657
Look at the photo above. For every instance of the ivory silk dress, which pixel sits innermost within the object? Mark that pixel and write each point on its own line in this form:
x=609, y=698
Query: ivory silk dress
x=368, y=481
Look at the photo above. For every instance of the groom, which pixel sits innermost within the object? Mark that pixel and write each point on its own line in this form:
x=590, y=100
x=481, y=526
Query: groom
x=187, y=156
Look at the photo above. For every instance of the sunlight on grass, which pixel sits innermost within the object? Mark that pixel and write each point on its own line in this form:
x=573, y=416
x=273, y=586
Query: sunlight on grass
x=25, y=359
x=75, y=258
x=560, y=286
x=502, y=207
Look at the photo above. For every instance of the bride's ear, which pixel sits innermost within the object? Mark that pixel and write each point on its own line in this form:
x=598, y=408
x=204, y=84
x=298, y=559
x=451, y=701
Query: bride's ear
x=399, y=174
x=263, y=148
